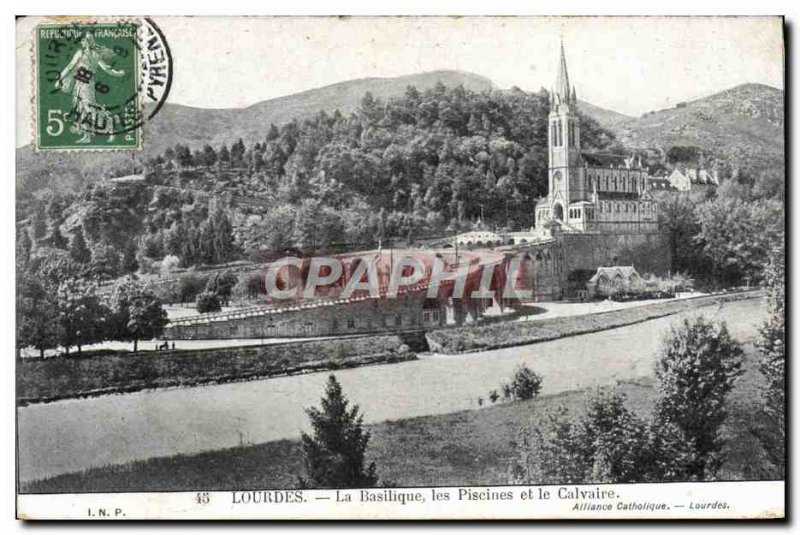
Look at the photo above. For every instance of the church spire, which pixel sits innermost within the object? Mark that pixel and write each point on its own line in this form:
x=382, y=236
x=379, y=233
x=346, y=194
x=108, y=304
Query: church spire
x=562, y=81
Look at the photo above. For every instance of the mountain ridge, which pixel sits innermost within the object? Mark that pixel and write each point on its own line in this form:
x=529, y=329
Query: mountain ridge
x=743, y=124
x=747, y=119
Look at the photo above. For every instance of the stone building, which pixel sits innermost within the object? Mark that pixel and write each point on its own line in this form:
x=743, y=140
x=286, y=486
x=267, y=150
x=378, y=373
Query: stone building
x=608, y=281
x=327, y=314
x=693, y=179
x=590, y=191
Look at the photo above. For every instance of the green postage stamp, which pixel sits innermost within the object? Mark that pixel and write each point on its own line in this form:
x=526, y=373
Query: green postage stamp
x=94, y=82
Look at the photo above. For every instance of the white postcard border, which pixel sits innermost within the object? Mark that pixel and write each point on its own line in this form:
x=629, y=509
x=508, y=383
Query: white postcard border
x=710, y=500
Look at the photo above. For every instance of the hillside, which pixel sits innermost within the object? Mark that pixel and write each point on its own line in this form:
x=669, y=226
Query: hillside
x=744, y=125
x=195, y=126
x=607, y=118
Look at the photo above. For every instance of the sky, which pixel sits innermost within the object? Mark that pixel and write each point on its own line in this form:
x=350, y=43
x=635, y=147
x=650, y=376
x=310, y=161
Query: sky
x=627, y=64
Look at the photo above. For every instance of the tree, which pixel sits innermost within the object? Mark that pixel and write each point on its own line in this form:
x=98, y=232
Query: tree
x=78, y=249
x=334, y=455
x=189, y=286
x=676, y=214
x=169, y=264
x=224, y=155
x=698, y=367
x=237, y=153
x=208, y=302
x=221, y=244
x=24, y=245
x=39, y=222
x=183, y=156
x=272, y=132
x=209, y=156
x=771, y=345
x=737, y=236
x=37, y=316
x=57, y=239
x=105, y=262
x=221, y=284
x=607, y=444
x=137, y=312
x=526, y=385
x=129, y=262
x=82, y=317
x=175, y=238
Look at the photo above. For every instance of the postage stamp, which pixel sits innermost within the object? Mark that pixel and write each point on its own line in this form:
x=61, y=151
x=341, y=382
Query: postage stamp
x=94, y=80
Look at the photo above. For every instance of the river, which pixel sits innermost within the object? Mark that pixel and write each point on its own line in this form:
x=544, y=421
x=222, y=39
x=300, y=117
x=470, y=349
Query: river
x=72, y=435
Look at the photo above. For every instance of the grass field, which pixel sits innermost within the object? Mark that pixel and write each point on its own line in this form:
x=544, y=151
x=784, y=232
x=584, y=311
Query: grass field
x=463, y=448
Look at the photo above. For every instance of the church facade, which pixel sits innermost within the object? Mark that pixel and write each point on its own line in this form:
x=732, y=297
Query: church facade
x=589, y=191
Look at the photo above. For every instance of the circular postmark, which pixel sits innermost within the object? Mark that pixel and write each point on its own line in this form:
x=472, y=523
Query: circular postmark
x=99, y=82
x=156, y=68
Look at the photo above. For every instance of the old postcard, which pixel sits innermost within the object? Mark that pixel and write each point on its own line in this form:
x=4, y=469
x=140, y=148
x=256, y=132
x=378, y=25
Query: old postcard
x=400, y=268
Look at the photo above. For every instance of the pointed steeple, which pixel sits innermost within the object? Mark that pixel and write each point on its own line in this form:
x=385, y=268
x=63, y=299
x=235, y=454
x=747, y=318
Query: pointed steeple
x=562, y=81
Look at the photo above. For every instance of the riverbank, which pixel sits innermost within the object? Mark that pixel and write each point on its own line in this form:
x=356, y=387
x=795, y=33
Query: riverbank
x=512, y=334
x=470, y=447
x=44, y=380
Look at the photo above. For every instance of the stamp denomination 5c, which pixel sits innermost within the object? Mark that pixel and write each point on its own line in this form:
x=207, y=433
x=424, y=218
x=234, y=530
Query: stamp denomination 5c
x=90, y=87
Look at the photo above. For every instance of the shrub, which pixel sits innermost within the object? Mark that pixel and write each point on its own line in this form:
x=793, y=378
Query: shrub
x=208, y=302
x=698, y=366
x=526, y=385
x=608, y=444
x=771, y=345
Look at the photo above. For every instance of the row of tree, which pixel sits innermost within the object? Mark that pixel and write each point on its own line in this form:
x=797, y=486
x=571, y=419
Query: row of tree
x=723, y=240
x=55, y=309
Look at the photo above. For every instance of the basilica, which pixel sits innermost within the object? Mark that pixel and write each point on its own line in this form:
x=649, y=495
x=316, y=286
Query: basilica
x=589, y=192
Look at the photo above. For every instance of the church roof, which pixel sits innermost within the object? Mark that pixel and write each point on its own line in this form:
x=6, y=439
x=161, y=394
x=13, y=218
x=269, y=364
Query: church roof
x=603, y=159
x=562, y=80
x=617, y=196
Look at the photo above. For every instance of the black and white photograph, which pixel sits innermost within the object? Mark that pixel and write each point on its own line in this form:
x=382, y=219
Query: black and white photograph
x=417, y=267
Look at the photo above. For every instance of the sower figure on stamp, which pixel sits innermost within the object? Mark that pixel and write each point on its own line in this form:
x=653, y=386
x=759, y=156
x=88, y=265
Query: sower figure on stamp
x=78, y=77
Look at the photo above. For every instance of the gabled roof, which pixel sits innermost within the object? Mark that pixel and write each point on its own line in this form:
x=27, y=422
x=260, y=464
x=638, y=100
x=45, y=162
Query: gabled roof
x=660, y=183
x=613, y=271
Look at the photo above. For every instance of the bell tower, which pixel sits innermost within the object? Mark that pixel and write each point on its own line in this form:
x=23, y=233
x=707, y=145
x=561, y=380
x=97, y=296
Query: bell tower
x=563, y=137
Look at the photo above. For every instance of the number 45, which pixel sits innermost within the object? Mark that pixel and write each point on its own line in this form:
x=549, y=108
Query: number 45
x=55, y=123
